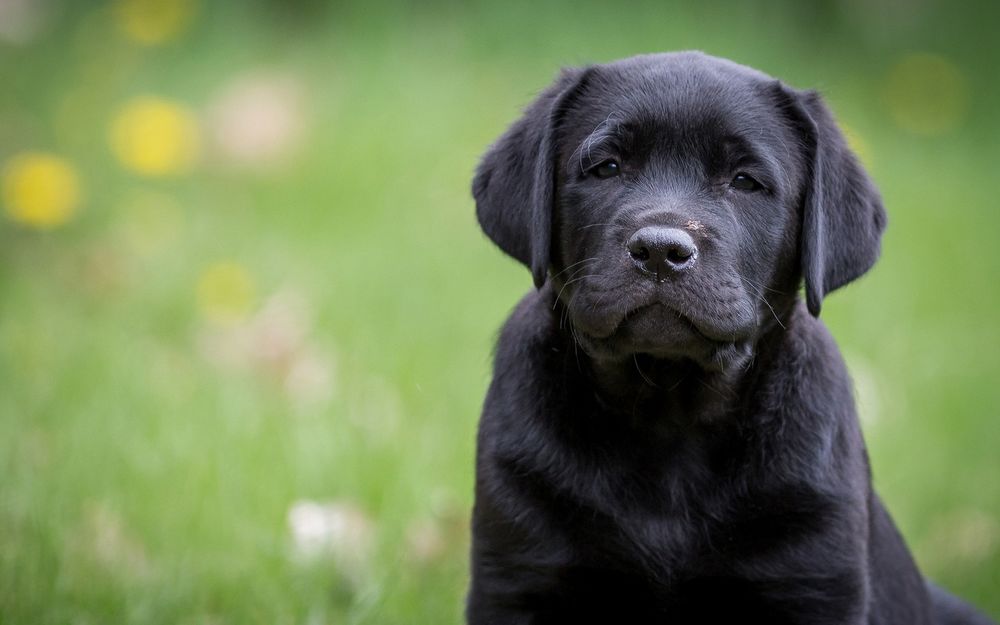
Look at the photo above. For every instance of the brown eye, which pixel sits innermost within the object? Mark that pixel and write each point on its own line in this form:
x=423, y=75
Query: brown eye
x=744, y=182
x=607, y=169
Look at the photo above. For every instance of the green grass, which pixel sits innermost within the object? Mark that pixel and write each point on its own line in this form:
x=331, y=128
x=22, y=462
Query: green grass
x=144, y=481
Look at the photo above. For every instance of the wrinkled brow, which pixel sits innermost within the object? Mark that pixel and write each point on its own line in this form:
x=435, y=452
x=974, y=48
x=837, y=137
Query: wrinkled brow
x=764, y=148
x=604, y=137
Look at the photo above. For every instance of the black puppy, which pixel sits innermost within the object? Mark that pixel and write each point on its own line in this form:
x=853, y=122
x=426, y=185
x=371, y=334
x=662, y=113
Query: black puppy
x=670, y=435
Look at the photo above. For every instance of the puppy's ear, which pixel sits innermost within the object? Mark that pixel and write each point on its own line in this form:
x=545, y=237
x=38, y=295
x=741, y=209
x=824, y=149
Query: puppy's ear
x=514, y=186
x=842, y=217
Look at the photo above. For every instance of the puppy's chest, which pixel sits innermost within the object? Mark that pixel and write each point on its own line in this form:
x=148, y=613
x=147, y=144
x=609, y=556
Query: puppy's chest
x=663, y=507
x=656, y=471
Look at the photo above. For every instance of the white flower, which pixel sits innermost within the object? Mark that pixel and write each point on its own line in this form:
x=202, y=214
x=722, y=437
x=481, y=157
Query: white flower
x=339, y=530
x=258, y=119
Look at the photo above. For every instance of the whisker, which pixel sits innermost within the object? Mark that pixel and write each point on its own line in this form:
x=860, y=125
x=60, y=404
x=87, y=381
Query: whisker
x=722, y=363
x=766, y=288
x=715, y=390
x=568, y=267
x=761, y=297
x=678, y=383
x=576, y=340
x=597, y=134
x=643, y=375
x=564, y=318
x=591, y=275
x=569, y=282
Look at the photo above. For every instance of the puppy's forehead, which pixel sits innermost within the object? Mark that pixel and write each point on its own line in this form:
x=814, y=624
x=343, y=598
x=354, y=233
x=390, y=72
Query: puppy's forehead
x=686, y=65
x=679, y=90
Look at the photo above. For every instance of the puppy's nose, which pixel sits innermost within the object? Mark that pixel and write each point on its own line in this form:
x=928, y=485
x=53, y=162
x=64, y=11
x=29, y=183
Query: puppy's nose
x=660, y=250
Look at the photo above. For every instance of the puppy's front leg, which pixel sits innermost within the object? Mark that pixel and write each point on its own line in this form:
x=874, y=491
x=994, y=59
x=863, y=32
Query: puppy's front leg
x=484, y=611
x=501, y=601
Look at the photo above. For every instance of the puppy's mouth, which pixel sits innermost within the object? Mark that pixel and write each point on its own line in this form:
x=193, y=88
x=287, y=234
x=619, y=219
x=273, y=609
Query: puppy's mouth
x=662, y=331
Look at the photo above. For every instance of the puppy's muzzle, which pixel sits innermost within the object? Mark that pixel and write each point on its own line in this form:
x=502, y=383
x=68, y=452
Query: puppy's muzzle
x=662, y=251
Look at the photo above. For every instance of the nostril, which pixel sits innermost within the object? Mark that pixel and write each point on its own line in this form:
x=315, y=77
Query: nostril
x=679, y=255
x=640, y=253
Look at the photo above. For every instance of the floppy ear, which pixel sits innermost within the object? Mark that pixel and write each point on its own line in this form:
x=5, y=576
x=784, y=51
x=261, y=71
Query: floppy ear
x=514, y=186
x=842, y=216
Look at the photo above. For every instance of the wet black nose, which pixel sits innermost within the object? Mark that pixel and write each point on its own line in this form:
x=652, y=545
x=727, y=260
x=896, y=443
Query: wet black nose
x=661, y=250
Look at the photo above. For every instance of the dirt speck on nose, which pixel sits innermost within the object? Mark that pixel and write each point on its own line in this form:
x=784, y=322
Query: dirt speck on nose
x=694, y=225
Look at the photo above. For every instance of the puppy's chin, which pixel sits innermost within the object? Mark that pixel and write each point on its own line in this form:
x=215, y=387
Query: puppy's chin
x=662, y=333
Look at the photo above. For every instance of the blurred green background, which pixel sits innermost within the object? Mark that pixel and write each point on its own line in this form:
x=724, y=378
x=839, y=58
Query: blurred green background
x=246, y=313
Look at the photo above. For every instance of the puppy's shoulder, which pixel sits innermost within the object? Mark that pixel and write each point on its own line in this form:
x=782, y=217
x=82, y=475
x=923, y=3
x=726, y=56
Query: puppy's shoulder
x=530, y=333
x=810, y=341
x=807, y=363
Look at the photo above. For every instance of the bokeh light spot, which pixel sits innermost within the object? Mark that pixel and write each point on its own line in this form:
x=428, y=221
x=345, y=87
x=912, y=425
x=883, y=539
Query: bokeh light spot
x=226, y=292
x=155, y=137
x=40, y=190
x=258, y=119
x=22, y=20
x=153, y=22
x=926, y=94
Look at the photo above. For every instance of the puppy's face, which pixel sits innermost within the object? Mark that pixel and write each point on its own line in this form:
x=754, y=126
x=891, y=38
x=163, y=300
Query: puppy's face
x=676, y=210
x=674, y=201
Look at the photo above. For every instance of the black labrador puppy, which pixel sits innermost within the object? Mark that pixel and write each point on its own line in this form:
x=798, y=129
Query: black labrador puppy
x=670, y=435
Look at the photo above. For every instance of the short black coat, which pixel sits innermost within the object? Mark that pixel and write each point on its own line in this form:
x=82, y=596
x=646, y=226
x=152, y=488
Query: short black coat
x=627, y=476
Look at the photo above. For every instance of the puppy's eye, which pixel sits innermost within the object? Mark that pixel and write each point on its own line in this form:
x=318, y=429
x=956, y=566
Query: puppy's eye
x=607, y=169
x=745, y=182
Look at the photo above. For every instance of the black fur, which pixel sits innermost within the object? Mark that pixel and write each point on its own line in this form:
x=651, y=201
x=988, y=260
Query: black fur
x=515, y=183
x=680, y=448
x=843, y=218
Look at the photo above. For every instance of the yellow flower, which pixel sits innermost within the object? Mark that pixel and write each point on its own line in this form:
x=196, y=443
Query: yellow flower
x=152, y=22
x=926, y=94
x=155, y=137
x=40, y=190
x=226, y=292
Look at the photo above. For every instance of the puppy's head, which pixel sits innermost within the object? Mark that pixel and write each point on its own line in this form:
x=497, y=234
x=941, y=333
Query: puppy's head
x=675, y=201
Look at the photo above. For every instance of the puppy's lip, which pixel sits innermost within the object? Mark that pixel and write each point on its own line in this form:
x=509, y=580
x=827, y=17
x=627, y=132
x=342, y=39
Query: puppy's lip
x=714, y=335
x=712, y=352
x=699, y=327
x=602, y=319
